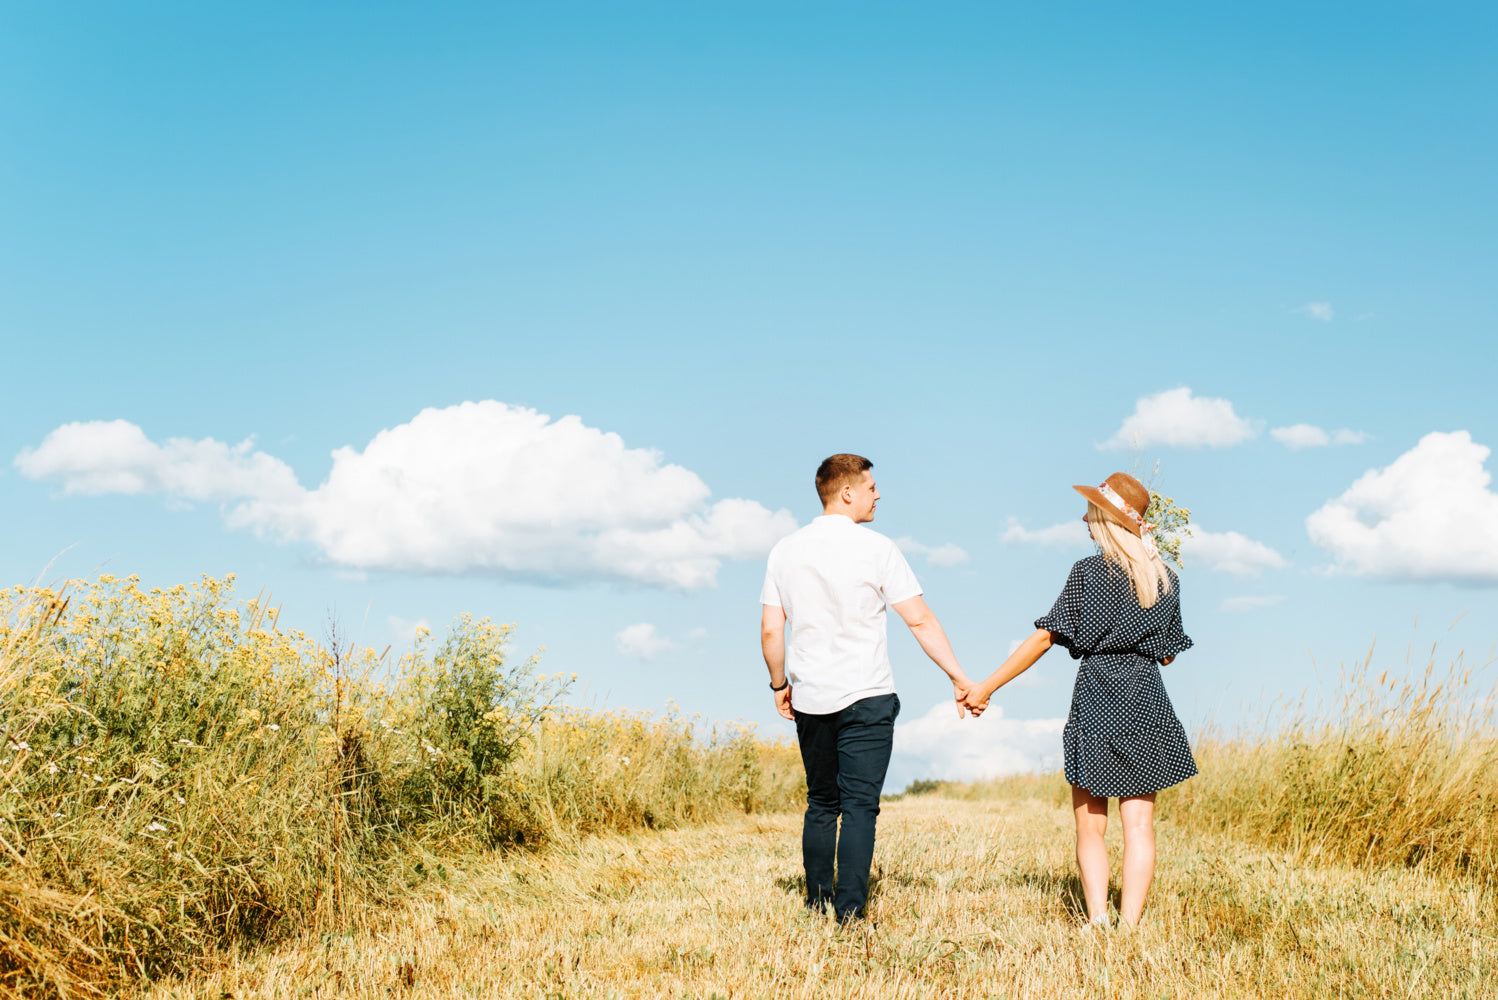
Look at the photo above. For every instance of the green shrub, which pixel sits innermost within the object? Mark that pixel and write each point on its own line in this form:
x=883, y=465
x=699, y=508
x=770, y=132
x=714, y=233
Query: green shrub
x=179, y=775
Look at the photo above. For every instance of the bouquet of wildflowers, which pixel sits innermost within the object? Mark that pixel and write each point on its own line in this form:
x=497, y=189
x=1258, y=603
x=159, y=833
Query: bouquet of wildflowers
x=1172, y=525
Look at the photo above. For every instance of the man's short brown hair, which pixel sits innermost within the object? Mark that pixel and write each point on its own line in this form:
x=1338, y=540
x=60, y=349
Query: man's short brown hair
x=838, y=471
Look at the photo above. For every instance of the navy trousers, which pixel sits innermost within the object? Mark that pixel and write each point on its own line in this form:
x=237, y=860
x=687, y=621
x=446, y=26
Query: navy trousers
x=846, y=755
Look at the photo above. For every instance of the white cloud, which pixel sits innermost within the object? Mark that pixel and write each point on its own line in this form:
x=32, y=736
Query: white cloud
x=115, y=456
x=1251, y=602
x=640, y=642
x=1229, y=552
x=1298, y=436
x=697, y=633
x=1319, y=310
x=406, y=629
x=942, y=746
x=474, y=488
x=1430, y=515
x=946, y=555
x=1066, y=535
x=1177, y=418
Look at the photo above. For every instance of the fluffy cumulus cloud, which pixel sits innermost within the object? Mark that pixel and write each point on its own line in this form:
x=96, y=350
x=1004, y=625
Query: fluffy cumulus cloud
x=945, y=555
x=474, y=488
x=641, y=642
x=940, y=745
x=115, y=456
x=1066, y=535
x=1430, y=515
x=1229, y=552
x=1298, y=436
x=1250, y=602
x=1178, y=419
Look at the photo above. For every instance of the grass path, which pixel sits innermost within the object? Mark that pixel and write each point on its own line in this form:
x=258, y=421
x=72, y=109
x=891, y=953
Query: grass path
x=972, y=899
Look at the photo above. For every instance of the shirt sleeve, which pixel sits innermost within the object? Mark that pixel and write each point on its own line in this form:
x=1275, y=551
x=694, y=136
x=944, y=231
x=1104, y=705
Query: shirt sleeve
x=899, y=582
x=1064, y=621
x=770, y=592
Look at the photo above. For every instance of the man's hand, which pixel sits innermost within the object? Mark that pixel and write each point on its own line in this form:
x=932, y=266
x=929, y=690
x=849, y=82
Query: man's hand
x=772, y=641
x=960, y=689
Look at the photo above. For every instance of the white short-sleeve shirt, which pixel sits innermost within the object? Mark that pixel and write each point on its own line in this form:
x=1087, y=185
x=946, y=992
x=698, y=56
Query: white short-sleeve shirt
x=834, y=579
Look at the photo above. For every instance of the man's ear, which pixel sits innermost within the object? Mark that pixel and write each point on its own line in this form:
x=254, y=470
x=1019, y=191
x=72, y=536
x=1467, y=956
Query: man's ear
x=846, y=493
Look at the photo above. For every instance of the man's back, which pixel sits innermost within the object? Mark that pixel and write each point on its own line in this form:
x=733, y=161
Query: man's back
x=833, y=579
x=821, y=628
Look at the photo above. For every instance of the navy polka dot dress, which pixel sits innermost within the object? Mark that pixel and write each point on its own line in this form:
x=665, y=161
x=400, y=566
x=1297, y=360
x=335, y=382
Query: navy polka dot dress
x=1122, y=736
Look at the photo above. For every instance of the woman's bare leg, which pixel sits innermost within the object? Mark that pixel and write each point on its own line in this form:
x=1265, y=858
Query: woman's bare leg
x=1137, y=814
x=1091, y=814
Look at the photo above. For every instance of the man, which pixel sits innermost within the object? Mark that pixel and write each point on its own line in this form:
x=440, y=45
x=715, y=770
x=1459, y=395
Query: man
x=830, y=582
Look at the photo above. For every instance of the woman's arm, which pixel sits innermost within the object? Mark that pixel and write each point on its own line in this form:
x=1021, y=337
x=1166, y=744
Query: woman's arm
x=1019, y=661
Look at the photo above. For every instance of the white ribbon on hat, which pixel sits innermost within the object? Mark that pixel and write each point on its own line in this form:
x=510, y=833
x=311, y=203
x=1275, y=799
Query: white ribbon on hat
x=1146, y=530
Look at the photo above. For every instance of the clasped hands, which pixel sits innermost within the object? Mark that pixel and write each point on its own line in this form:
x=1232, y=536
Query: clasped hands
x=971, y=696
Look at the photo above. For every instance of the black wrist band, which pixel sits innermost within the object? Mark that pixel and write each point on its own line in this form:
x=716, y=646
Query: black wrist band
x=785, y=684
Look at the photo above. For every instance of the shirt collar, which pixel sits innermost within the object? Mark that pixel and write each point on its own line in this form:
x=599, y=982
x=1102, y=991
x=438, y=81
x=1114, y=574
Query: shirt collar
x=832, y=519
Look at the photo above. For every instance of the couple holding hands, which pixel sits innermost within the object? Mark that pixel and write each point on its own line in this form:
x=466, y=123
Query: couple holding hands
x=823, y=634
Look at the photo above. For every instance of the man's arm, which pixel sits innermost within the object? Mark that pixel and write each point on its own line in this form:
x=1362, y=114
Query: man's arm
x=933, y=639
x=772, y=642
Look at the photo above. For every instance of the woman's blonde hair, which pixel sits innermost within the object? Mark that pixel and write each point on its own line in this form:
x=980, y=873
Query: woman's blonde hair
x=1124, y=549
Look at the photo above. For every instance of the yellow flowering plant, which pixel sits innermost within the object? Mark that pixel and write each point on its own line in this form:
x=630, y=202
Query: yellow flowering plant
x=1172, y=525
x=178, y=774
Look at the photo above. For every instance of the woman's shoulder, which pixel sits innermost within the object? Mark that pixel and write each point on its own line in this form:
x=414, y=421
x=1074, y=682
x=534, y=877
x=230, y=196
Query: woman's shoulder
x=1091, y=568
x=1092, y=562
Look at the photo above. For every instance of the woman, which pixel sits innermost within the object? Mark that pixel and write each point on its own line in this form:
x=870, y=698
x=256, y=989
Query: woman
x=1120, y=614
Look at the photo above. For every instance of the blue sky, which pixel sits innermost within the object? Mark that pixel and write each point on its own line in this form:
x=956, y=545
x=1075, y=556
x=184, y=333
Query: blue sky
x=964, y=240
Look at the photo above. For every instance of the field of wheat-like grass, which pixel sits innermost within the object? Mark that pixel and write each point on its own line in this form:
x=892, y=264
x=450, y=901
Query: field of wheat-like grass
x=972, y=898
x=179, y=776
x=195, y=803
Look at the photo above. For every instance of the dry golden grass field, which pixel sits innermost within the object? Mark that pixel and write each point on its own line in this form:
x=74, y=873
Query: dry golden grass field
x=974, y=897
x=195, y=803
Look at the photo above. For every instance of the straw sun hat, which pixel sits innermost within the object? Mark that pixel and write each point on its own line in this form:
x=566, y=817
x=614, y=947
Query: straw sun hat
x=1123, y=500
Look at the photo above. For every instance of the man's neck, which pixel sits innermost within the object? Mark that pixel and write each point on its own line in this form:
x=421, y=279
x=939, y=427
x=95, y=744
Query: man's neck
x=829, y=512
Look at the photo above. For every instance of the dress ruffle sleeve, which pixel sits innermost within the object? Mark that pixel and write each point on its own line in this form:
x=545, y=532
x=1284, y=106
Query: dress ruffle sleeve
x=1170, y=640
x=1064, y=620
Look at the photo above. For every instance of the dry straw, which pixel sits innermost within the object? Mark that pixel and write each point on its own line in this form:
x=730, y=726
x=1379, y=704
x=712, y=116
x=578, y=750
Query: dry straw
x=179, y=776
x=180, y=779
x=1398, y=771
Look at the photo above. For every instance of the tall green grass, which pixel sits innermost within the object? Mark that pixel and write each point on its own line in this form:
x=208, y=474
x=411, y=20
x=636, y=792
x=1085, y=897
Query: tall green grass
x=178, y=775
